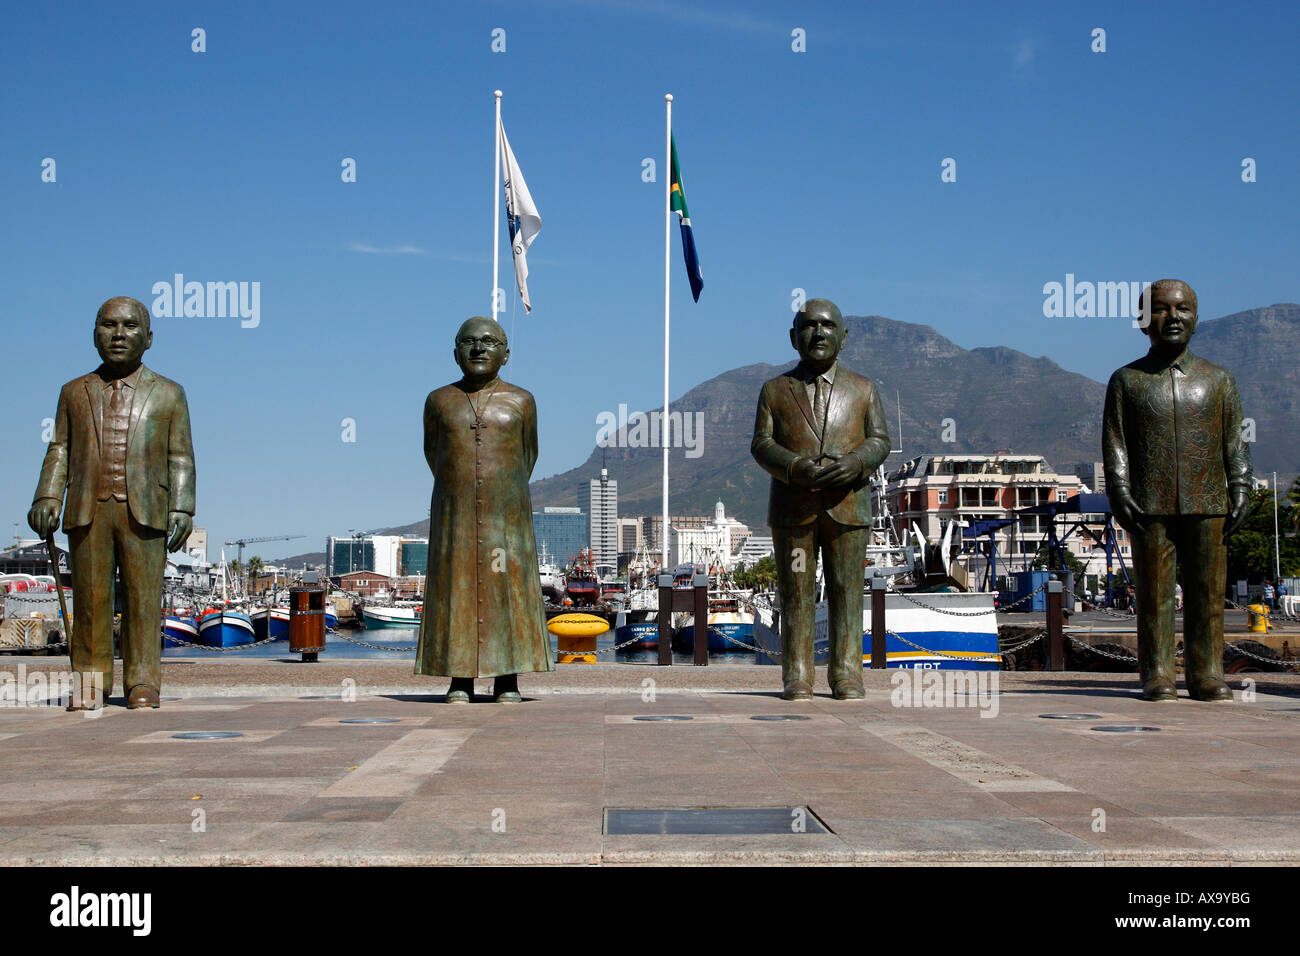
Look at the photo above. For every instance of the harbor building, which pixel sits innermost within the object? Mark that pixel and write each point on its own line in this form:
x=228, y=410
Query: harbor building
x=603, y=498
x=196, y=545
x=930, y=490
x=413, y=557
x=720, y=539
x=655, y=528
x=371, y=552
x=560, y=532
x=365, y=583
x=631, y=534
x=1093, y=474
x=754, y=549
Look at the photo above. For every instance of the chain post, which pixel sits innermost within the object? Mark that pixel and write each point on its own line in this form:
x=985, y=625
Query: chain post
x=701, y=585
x=665, y=620
x=879, y=657
x=1055, y=647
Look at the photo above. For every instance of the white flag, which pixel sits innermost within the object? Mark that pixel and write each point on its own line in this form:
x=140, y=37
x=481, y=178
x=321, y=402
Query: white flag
x=524, y=220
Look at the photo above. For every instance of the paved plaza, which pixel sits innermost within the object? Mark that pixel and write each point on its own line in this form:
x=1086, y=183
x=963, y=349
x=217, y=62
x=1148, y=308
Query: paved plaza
x=884, y=780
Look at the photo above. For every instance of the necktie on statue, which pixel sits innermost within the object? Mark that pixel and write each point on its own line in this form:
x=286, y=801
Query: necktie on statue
x=821, y=395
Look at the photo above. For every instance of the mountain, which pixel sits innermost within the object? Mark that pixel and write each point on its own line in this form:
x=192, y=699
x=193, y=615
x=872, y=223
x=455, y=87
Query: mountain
x=984, y=400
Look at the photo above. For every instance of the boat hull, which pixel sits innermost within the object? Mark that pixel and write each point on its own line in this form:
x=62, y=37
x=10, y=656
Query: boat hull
x=271, y=622
x=226, y=629
x=388, y=617
x=966, y=641
x=184, y=628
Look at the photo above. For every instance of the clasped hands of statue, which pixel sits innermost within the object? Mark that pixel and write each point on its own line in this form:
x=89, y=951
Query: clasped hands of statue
x=827, y=471
x=1132, y=518
x=44, y=519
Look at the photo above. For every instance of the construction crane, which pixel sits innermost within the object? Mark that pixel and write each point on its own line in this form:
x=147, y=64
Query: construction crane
x=275, y=537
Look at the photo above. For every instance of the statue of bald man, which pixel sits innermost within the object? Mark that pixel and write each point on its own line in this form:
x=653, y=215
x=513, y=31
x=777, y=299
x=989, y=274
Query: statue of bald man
x=483, y=613
x=122, y=454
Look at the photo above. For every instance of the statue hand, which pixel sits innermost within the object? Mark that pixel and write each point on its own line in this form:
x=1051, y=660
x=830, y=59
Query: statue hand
x=1128, y=514
x=1240, y=512
x=44, y=517
x=804, y=472
x=179, y=525
x=844, y=470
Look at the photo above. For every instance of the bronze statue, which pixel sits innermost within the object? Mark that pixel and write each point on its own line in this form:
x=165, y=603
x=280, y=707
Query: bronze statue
x=121, y=450
x=820, y=432
x=483, y=614
x=1175, y=467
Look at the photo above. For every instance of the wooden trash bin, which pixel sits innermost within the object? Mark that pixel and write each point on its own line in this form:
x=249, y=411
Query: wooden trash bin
x=306, y=621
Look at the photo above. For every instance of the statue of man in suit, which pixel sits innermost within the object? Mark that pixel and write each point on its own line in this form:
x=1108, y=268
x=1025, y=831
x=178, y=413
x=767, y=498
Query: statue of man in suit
x=121, y=450
x=820, y=433
x=1178, y=480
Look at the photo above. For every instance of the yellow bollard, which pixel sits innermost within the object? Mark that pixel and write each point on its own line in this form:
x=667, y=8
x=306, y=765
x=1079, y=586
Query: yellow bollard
x=576, y=635
x=1258, y=618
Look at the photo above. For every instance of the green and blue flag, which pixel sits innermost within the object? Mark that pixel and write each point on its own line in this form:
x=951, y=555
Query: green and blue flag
x=677, y=203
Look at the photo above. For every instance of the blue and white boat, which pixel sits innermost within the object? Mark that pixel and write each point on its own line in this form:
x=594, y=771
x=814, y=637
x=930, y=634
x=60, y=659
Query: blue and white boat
x=180, y=627
x=726, y=620
x=225, y=628
x=272, y=622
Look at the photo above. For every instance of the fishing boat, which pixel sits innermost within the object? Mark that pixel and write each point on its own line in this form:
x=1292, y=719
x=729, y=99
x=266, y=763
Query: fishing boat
x=552, y=579
x=729, y=622
x=180, y=626
x=581, y=585
x=272, y=622
x=400, y=614
x=225, y=627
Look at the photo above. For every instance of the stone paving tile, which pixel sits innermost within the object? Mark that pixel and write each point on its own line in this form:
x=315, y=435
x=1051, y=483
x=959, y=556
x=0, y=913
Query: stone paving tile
x=234, y=787
x=58, y=790
x=1154, y=802
x=795, y=848
x=950, y=838
x=1243, y=832
x=148, y=811
x=863, y=804
x=150, y=844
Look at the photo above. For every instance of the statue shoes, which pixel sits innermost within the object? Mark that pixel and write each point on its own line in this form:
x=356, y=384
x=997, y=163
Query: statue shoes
x=797, y=690
x=1208, y=689
x=848, y=690
x=142, y=696
x=505, y=689
x=1159, y=688
x=461, y=690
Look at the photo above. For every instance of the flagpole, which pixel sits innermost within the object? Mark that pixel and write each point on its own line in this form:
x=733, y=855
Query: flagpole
x=496, y=207
x=668, y=215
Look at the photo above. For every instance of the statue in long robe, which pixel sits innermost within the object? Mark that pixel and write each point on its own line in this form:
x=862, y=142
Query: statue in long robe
x=483, y=614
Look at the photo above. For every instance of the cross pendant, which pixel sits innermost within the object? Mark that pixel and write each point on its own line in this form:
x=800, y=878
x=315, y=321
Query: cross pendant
x=478, y=427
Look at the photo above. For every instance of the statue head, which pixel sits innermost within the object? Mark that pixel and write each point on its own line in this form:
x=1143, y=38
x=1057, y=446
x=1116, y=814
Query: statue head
x=818, y=333
x=1169, y=306
x=481, y=348
x=122, y=334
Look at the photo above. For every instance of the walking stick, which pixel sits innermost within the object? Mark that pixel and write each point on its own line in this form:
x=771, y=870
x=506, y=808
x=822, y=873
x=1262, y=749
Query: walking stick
x=58, y=586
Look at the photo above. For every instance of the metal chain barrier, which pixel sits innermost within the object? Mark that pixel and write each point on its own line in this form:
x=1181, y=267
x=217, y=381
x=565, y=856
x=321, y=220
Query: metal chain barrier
x=959, y=657
x=378, y=647
x=982, y=611
x=1127, y=659
x=237, y=647
x=1278, y=661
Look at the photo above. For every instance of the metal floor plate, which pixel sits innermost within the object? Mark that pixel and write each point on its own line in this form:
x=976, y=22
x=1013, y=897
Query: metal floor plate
x=737, y=820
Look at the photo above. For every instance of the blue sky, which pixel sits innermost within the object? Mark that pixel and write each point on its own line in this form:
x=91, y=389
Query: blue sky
x=818, y=170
